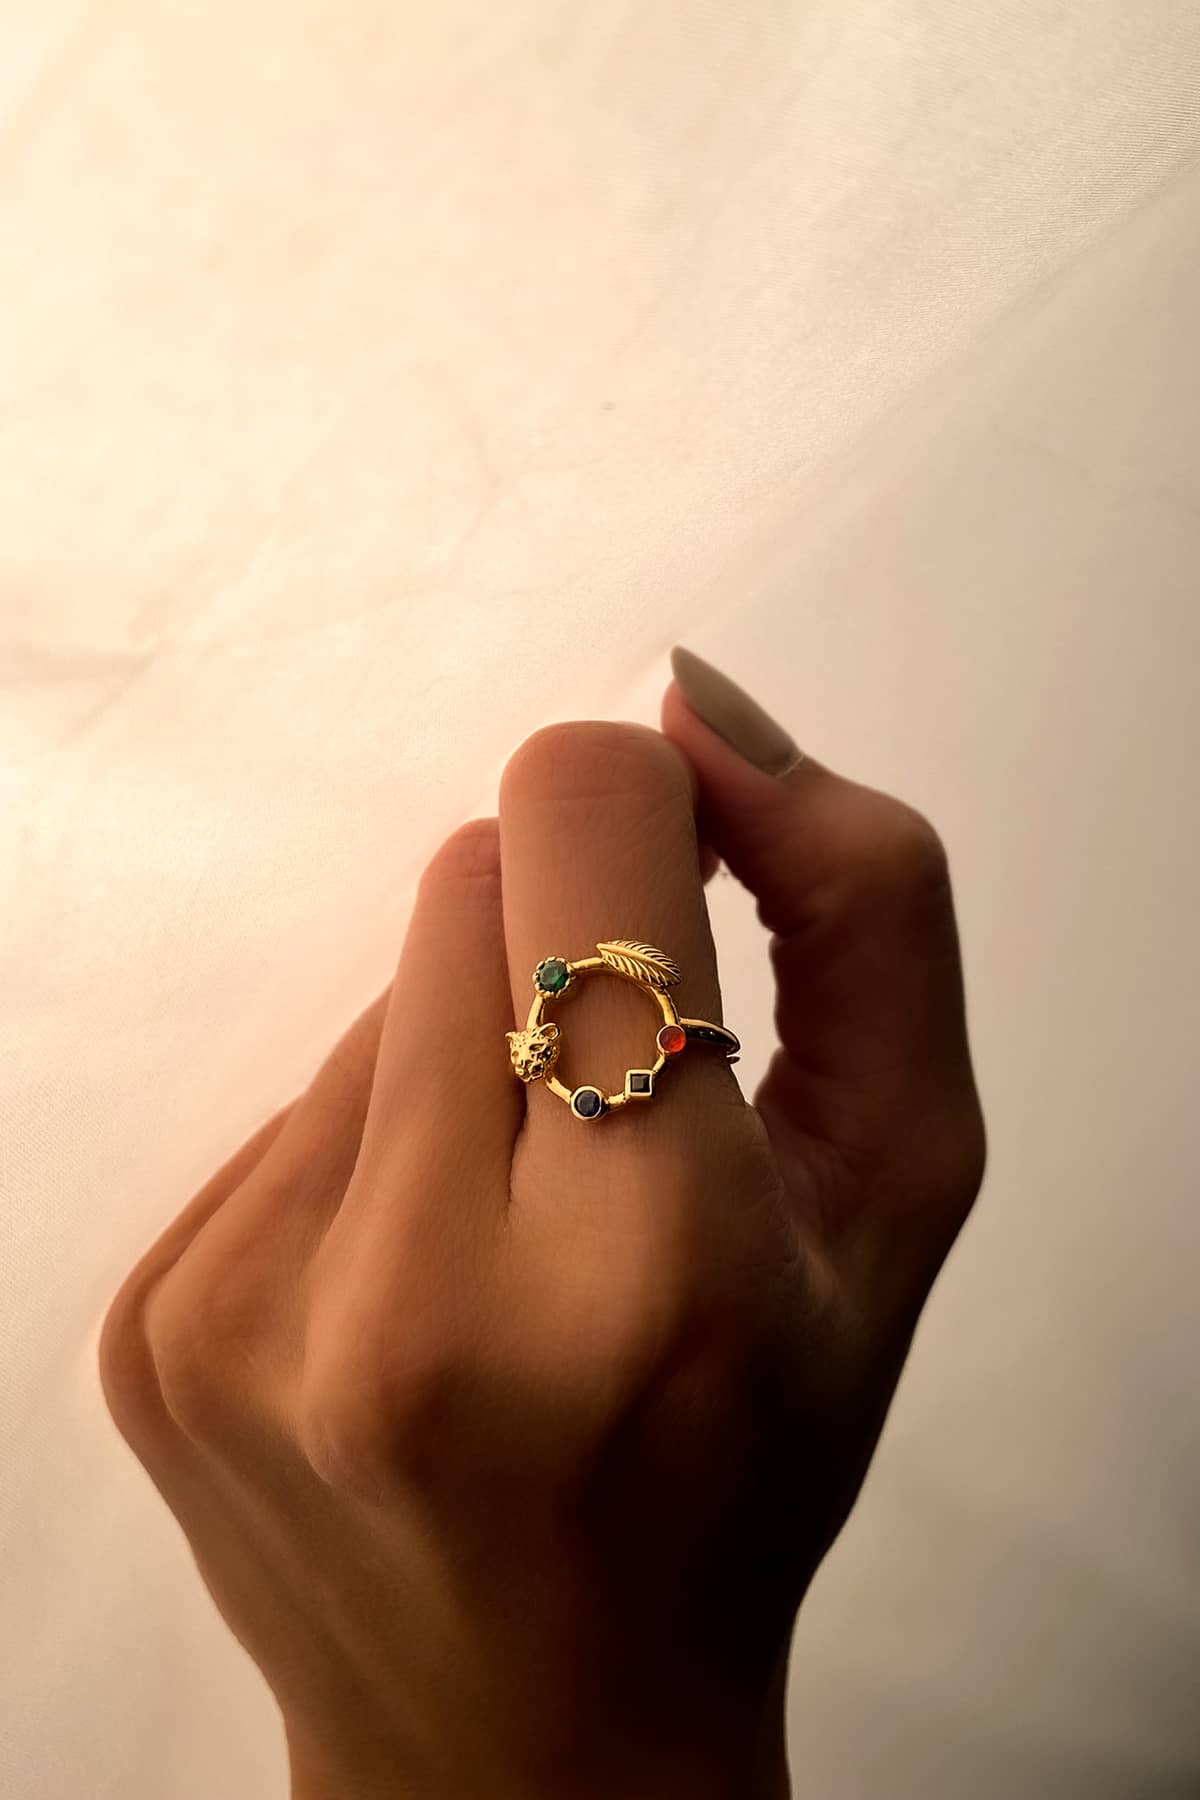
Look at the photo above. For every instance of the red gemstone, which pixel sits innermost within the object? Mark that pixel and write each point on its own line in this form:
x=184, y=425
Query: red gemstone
x=672, y=1039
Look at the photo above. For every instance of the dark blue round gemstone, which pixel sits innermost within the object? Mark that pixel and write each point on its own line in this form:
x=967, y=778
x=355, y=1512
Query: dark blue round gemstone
x=587, y=1103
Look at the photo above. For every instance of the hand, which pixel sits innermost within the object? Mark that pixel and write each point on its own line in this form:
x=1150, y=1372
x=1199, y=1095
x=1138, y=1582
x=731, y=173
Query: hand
x=507, y=1444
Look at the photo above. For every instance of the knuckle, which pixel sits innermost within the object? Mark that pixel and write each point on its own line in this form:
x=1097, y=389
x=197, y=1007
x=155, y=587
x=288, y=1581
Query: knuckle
x=595, y=754
x=369, y=1426
x=671, y=1357
x=673, y=1281
x=125, y=1362
x=972, y=1153
x=200, y=1325
x=936, y=1200
x=900, y=852
x=950, y=1171
x=470, y=853
x=182, y=1354
x=913, y=847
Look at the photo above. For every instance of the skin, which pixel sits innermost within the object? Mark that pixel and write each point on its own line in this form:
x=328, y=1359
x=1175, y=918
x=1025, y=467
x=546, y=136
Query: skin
x=507, y=1445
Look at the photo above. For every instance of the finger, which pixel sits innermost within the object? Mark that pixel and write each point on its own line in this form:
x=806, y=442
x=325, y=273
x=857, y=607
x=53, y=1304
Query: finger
x=337, y=1219
x=403, y=1266
x=598, y=841
x=309, y=1167
x=873, y=1054
x=298, y=1137
x=443, y=1089
x=174, y=1239
x=295, y=1187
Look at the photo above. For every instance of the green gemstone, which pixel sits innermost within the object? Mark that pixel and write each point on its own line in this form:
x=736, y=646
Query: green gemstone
x=553, y=975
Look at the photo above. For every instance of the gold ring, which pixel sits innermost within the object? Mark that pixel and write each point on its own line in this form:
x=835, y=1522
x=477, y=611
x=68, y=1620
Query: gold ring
x=535, y=1050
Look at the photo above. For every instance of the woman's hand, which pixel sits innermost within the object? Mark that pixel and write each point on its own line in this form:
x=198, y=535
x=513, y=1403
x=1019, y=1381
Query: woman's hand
x=507, y=1444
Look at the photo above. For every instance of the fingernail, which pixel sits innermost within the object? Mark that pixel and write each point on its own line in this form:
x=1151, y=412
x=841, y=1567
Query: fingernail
x=733, y=715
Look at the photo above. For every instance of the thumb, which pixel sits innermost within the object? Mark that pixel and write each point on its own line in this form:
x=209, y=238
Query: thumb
x=869, y=1099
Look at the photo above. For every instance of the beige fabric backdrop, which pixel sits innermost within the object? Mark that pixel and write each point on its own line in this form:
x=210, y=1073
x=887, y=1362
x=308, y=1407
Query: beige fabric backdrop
x=378, y=382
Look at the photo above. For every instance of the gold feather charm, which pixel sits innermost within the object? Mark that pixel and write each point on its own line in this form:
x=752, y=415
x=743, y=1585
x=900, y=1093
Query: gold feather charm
x=642, y=962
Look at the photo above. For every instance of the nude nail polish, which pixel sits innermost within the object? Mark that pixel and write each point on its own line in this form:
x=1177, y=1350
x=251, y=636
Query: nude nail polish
x=733, y=715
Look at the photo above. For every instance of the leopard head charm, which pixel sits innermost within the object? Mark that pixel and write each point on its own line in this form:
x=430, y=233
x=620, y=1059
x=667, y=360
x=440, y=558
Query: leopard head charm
x=533, y=1053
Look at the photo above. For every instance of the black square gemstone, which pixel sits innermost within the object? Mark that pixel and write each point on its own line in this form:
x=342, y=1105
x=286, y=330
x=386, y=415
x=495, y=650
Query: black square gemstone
x=639, y=1081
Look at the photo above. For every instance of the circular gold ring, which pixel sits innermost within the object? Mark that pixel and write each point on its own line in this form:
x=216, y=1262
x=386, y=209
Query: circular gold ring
x=535, y=1050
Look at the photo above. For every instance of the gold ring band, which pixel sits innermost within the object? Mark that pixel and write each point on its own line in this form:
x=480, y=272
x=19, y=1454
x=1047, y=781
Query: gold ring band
x=534, y=1050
